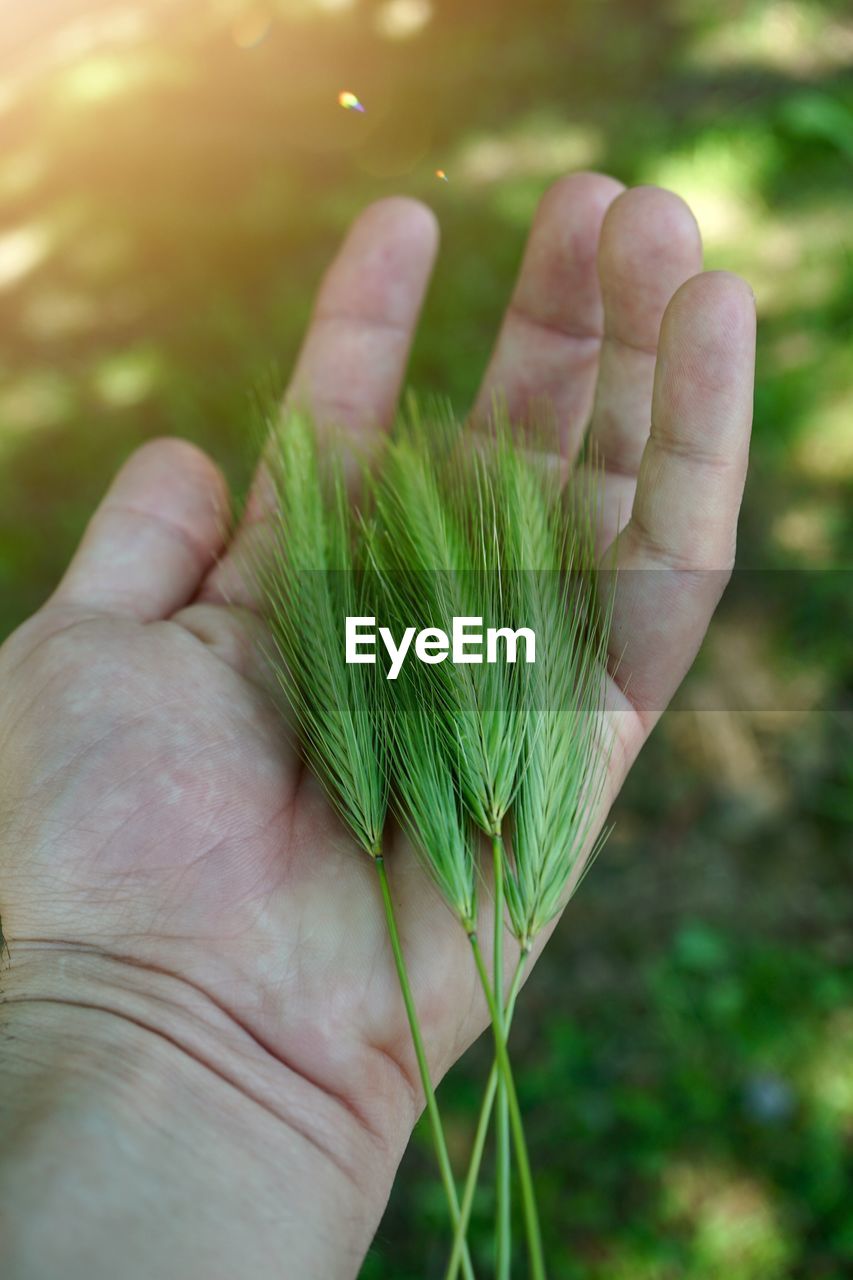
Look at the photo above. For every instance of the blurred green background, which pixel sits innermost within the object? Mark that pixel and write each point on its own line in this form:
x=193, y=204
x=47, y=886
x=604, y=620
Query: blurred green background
x=173, y=178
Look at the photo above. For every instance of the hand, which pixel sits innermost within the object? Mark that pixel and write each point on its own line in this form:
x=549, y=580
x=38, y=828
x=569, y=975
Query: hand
x=179, y=901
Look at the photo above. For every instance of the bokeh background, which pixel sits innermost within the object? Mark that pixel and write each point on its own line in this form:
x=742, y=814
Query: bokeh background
x=173, y=178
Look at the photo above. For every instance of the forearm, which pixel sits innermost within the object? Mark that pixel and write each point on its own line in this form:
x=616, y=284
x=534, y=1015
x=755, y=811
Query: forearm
x=125, y=1150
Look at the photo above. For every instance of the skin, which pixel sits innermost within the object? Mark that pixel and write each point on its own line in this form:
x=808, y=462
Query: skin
x=205, y=1067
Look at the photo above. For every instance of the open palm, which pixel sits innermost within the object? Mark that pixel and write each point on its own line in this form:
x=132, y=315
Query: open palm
x=157, y=833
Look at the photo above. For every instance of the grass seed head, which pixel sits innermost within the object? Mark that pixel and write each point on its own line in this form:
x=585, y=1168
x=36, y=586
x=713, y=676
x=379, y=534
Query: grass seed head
x=312, y=583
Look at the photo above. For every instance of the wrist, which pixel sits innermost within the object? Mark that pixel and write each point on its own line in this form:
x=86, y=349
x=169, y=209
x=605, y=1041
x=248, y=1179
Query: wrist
x=142, y=1132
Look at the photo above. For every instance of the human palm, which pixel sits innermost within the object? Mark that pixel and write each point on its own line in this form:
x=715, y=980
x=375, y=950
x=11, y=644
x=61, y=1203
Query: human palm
x=158, y=834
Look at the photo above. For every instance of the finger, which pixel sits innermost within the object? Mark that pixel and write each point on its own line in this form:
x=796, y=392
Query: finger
x=154, y=536
x=675, y=555
x=650, y=244
x=546, y=355
x=354, y=356
x=352, y=362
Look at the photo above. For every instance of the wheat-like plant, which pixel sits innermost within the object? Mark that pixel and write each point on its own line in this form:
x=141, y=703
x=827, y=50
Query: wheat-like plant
x=508, y=751
x=311, y=582
x=549, y=540
x=437, y=543
x=429, y=803
x=441, y=545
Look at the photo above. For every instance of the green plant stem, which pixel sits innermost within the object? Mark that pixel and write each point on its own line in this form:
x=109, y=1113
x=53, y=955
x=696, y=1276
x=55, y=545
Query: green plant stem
x=480, y=1136
x=528, y=1197
x=438, y=1138
x=503, y=1218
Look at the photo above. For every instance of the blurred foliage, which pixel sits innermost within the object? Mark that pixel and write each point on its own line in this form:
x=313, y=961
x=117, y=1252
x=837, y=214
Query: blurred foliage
x=173, y=177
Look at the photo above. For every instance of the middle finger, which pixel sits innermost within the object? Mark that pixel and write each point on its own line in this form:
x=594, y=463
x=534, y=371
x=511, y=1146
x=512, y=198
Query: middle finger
x=546, y=355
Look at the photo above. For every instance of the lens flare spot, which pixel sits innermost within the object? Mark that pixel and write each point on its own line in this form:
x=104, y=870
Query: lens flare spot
x=349, y=101
x=441, y=175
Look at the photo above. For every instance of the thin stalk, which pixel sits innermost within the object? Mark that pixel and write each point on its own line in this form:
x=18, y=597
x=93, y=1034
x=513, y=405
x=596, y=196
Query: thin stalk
x=528, y=1197
x=480, y=1136
x=438, y=1138
x=503, y=1219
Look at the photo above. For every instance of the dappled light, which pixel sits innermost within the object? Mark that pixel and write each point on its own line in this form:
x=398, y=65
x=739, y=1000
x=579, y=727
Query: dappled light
x=127, y=377
x=32, y=402
x=827, y=1079
x=806, y=530
x=55, y=314
x=22, y=249
x=84, y=34
x=785, y=35
x=721, y=176
x=826, y=453
x=541, y=148
x=98, y=79
x=736, y=1226
x=401, y=19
